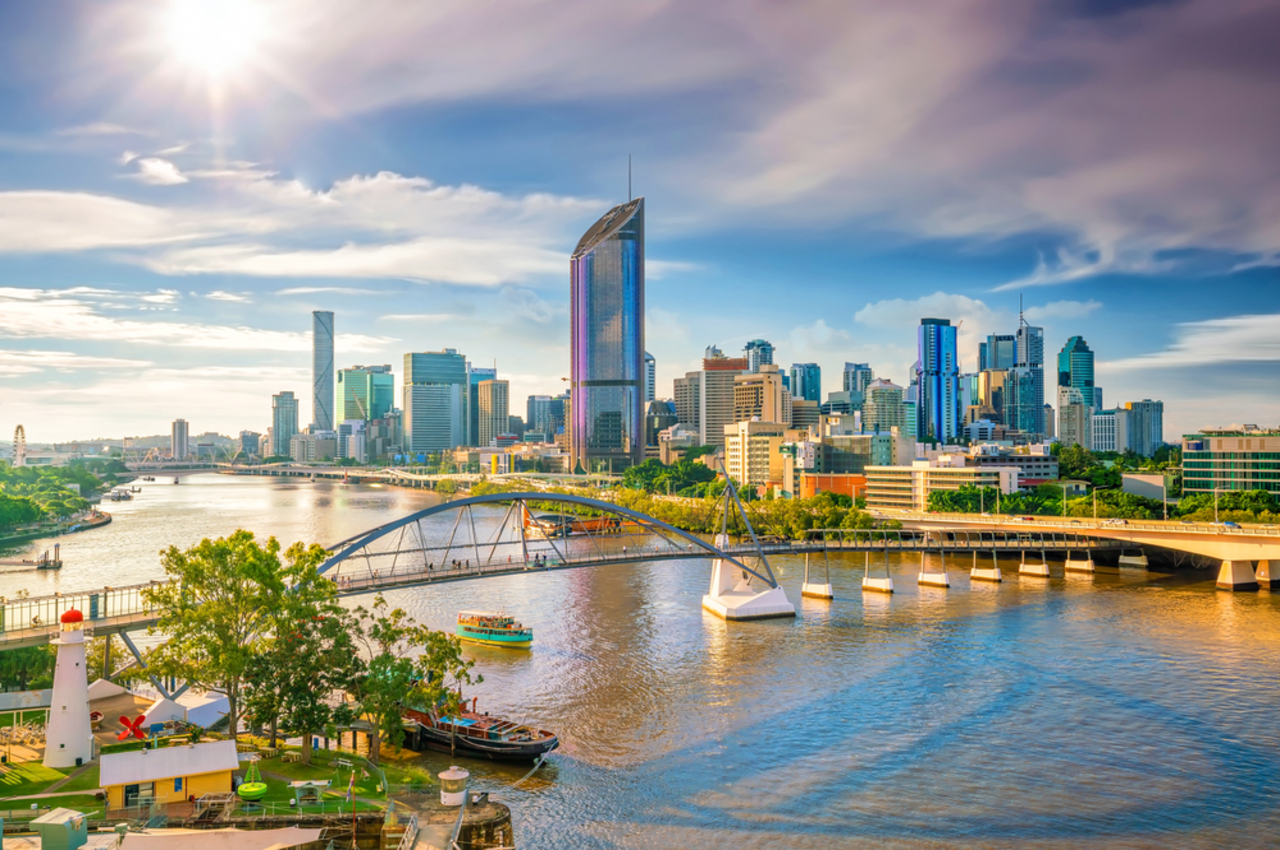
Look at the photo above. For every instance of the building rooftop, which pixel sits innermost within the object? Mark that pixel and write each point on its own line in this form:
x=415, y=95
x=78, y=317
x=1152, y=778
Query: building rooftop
x=168, y=762
x=609, y=224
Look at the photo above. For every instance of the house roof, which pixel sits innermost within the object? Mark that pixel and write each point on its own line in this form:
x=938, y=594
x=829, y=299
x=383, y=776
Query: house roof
x=168, y=762
x=220, y=839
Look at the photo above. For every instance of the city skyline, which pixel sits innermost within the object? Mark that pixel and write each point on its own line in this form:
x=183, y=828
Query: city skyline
x=175, y=240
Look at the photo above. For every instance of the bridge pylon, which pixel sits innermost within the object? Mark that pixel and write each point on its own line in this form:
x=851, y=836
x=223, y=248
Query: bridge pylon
x=732, y=595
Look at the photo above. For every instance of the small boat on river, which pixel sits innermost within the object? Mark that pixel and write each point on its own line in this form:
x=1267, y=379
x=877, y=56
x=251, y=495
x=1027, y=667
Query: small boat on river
x=469, y=733
x=493, y=630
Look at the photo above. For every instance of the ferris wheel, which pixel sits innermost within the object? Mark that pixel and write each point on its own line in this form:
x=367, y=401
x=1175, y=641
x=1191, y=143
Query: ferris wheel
x=19, y=446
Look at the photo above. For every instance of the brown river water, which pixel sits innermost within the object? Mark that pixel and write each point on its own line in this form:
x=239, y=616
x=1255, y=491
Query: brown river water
x=1129, y=709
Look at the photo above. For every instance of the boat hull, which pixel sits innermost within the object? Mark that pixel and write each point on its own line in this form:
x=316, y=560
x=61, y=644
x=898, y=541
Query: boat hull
x=516, y=640
x=439, y=741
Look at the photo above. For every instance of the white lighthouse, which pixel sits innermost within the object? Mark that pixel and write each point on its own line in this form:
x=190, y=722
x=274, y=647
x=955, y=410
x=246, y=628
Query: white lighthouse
x=68, y=737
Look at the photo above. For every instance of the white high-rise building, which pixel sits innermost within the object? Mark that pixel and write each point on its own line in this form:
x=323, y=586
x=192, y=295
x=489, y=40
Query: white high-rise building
x=494, y=411
x=68, y=735
x=650, y=378
x=178, y=441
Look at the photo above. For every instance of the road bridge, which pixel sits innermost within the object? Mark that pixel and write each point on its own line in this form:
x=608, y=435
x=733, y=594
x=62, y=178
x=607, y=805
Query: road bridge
x=1237, y=547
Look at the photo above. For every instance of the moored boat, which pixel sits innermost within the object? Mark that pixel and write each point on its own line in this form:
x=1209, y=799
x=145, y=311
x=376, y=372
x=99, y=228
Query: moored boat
x=470, y=733
x=493, y=630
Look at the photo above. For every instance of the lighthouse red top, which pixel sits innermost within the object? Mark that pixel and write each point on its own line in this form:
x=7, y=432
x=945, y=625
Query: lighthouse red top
x=73, y=616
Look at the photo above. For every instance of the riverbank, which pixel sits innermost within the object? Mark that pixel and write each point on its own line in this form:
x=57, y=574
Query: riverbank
x=89, y=520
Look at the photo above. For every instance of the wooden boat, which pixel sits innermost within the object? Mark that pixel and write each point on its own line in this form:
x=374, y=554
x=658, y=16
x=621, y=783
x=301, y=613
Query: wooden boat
x=493, y=629
x=470, y=733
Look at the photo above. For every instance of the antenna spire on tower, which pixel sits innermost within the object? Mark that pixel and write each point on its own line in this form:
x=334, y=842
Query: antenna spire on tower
x=628, y=178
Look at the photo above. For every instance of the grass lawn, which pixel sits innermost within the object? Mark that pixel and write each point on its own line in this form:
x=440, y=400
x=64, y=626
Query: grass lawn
x=27, y=778
x=87, y=781
x=84, y=803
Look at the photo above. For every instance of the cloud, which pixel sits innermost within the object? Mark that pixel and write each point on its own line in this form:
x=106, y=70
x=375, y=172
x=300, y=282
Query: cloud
x=159, y=172
x=32, y=314
x=1062, y=310
x=103, y=128
x=419, y=317
x=1235, y=339
x=219, y=295
x=46, y=221
x=334, y=290
x=35, y=361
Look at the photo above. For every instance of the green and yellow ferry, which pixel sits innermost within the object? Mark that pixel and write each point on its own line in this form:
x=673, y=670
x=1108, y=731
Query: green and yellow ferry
x=493, y=630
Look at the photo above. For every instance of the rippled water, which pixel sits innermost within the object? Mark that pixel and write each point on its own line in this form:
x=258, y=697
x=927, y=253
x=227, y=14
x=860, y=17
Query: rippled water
x=1123, y=710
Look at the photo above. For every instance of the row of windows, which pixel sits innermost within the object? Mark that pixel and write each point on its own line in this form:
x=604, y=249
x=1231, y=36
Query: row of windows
x=1189, y=456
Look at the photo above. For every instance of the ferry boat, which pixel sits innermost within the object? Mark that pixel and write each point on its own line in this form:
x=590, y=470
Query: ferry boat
x=493, y=630
x=470, y=733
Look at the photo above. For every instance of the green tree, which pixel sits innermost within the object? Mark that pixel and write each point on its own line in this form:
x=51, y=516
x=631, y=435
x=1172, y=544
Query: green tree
x=218, y=607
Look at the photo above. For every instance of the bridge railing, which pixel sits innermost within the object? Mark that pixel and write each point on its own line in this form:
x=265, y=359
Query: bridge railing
x=41, y=613
x=1079, y=524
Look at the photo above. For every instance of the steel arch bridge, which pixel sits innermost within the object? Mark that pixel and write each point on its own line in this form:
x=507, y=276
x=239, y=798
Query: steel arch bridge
x=534, y=533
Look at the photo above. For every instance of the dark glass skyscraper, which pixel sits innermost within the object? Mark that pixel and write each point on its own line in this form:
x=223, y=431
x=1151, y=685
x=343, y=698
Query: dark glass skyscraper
x=607, y=318
x=938, y=378
x=322, y=369
x=1075, y=368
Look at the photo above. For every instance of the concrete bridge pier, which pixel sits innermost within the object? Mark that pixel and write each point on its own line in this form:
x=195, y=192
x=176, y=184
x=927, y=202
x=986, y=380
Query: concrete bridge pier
x=1074, y=566
x=1268, y=577
x=816, y=590
x=991, y=573
x=1040, y=570
x=877, y=584
x=1239, y=575
x=934, y=578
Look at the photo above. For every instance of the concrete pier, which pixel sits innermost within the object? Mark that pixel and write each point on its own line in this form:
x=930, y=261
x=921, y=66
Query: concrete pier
x=933, y=578
x=1139, y=560
x=1040, y=570
x=877, y=585
x=1077, y=566
x=817, y=591
x=1266, y=576
x=991, y=573
x=1238, y=575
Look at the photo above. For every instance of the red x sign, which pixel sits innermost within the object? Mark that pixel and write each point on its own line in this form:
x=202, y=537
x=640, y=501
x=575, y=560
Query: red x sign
x=131, y=727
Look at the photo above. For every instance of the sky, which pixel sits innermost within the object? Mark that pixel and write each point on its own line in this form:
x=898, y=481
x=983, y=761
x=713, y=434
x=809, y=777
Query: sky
x=182, y=183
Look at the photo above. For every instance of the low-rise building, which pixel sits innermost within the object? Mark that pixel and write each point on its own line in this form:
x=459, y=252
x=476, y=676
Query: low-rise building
x=1238, y=458
x=168, y=774
x=907, y=488
x=844, y=483
x=751, y=450
x=1035, y=462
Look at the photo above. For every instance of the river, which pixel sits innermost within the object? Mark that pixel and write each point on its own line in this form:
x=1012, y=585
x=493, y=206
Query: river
x=1123, y=710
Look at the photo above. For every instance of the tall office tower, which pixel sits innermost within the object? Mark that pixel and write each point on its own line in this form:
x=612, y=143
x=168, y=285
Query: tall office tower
x=1146, y=426
x=687, y=395
x=435, y=401
x=715, y=395
x=607, y=320
x=1028, y=399
x=495, y=417
x=1049, y=433
x=284, y=422
x=650, y=378
x=537, y=416
x=1075, y=369
x=560, y=413
x=758, y=352
x=1075, y=418
x=883, y=407
x=365, y=393
x=857, y=377
x=998, y=352
x=249, y=442
x=761, y=396
x=806, y=382
x=178, y=448
x=658, y=417
x=938, y=379
x=322, y=370
x=476, y=374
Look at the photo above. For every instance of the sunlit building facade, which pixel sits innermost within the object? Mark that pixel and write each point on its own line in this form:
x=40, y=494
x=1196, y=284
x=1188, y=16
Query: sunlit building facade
x=607, y=344
x=322, y=370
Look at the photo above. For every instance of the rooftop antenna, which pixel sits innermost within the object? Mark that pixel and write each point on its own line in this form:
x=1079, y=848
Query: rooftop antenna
x=1021, y=321
x=628, y=178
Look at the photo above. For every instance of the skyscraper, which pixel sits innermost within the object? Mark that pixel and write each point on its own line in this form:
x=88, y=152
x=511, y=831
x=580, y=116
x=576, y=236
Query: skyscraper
x=476, y=374
x=715, y=394
x=365, y=393
x=857, y=377
x=806, y=381
x=607, y=320
x=284, y=422
x=883, y=407
x=322, y=370
x=178, y=440
x=537, y=416
x=759, y=352
x=938, y=379
x=1024, y=404
x=435, y=401
x=493, y=408
x=650, y=378
x=1075, y=369
x=1146, y=426
x=998, y=352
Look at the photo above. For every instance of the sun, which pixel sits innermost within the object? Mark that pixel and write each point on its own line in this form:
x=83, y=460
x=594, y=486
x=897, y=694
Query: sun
x=216, y=37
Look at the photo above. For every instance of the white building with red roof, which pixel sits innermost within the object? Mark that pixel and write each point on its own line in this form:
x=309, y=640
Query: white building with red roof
x=68, y=736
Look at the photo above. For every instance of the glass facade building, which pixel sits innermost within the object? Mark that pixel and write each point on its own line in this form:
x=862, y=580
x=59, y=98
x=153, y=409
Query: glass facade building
x=938, y=378
x=284, y=422
x=435, y=401
x=759, y=352
x=607, y=377
x=1075, y=369
x=806, y=381
x=1231, y=460
x=365, y=393
x=322, y=370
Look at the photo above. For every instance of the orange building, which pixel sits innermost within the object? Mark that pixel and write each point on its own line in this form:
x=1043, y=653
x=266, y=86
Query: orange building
x=846, y=484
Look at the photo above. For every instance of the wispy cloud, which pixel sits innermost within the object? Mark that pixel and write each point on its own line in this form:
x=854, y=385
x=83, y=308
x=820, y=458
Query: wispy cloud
x=330, y=290
x=159, y=172
x=103, y=128
x=1235, y=339
x=219, y=295
x=35, y=361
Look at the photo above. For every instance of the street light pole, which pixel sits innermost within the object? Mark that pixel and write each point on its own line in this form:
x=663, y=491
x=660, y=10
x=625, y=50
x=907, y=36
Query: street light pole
x=1215, y=505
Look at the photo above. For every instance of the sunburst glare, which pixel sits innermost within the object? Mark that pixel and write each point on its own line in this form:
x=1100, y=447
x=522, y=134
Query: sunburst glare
x=215, y=37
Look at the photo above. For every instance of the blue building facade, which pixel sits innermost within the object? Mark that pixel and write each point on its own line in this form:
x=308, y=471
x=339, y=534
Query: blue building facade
x=937, y=377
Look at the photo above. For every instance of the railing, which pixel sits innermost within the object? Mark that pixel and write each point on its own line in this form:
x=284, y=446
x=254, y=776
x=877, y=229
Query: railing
x=43, y=613
x=410, y=837
x=1101, y=523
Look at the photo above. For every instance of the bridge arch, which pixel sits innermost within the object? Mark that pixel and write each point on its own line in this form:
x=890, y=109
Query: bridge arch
x=521, y=527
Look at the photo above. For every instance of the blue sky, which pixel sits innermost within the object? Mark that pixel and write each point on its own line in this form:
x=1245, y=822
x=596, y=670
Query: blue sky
x=179, y=191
